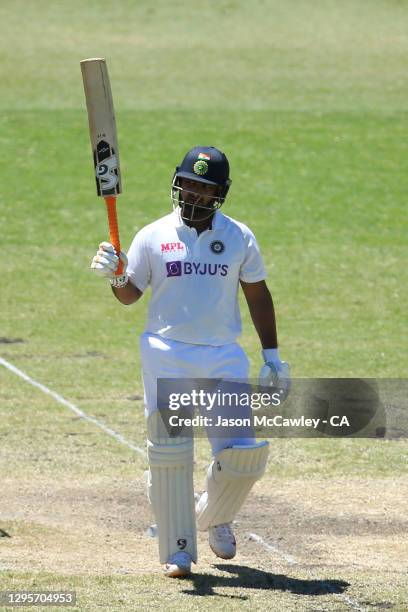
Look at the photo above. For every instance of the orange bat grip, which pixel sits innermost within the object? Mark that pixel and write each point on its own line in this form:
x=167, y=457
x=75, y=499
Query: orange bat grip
x=113, y=228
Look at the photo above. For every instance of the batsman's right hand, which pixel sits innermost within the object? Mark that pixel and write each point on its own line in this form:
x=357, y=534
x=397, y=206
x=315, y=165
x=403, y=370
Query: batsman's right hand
x=105, y=263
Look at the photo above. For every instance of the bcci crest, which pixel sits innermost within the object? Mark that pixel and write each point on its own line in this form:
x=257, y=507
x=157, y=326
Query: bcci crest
x=217, y=247
x=200, y=167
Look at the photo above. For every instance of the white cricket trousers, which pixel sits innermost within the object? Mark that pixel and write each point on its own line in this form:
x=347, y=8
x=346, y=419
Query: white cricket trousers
x=164, y=358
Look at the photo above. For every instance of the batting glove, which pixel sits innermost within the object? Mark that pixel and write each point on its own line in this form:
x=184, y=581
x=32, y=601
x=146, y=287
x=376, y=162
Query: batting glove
x=275, y=373
x=105, y=263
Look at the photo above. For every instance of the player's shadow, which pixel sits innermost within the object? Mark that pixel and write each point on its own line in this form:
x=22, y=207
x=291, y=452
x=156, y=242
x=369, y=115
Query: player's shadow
x=251, y=578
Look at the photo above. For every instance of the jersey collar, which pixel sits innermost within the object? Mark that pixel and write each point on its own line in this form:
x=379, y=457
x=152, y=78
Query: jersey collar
x=218, y=221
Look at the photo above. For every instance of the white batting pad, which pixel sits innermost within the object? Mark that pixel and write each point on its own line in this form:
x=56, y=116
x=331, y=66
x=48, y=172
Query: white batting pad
x=171, y=491
x=230, y=478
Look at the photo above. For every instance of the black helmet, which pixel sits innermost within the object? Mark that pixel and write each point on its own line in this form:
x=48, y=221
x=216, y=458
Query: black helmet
x=206, y=165
x=203, y=165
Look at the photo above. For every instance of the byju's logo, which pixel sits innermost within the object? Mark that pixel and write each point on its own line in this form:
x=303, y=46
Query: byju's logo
x=177, y=268
x=173, y=268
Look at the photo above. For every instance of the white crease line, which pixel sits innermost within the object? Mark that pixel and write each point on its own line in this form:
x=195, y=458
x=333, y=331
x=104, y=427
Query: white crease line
x=71, y=406
x=292, y=561
x=256, y=538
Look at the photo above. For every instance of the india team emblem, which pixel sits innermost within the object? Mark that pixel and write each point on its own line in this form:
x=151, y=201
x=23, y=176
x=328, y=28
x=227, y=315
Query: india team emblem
x=200, y=167
x=217, y=247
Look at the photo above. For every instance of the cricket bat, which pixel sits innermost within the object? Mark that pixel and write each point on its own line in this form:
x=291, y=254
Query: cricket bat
x=104, y=143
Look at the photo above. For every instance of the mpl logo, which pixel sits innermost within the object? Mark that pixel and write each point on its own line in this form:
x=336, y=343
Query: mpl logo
x=168, y=247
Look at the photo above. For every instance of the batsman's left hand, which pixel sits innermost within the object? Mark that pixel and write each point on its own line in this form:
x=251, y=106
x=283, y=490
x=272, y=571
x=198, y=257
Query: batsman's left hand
x=275, y=373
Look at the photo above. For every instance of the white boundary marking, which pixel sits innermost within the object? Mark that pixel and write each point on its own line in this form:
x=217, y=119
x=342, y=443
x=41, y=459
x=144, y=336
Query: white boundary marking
x=292, y=561
x=61, y=400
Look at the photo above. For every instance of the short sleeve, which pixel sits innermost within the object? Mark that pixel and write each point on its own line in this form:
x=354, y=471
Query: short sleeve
x=139, y=269
x=252, y=268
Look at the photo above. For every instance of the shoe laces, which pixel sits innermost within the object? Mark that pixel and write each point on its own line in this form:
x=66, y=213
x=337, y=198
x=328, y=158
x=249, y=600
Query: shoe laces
x=223, y=530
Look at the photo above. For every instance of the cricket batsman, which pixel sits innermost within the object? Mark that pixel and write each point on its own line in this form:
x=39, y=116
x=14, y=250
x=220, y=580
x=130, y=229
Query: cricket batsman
x=194, y=259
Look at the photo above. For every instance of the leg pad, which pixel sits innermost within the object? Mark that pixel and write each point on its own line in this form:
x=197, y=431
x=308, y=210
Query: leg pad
x=171, y=491
x=230, y=478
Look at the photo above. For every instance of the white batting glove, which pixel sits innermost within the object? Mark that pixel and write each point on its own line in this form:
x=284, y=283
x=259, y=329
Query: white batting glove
x=275, y=373
x=105, y=263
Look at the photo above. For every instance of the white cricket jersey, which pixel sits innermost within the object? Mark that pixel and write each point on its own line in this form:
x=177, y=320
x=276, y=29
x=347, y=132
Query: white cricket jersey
x=194, y=278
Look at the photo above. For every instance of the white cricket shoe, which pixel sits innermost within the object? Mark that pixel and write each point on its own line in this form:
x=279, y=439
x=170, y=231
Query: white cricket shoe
x=222, y=541
x=178, y=565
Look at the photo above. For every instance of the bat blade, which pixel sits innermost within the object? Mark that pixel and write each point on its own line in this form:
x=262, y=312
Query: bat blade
x=102, y=126
x=102, y=130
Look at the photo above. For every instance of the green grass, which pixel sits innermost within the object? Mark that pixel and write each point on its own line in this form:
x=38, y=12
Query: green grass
x=308, y=100
x=326, y=203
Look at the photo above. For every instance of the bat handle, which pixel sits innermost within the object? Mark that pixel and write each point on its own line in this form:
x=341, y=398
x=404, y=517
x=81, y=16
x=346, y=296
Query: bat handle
x=113, y=228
